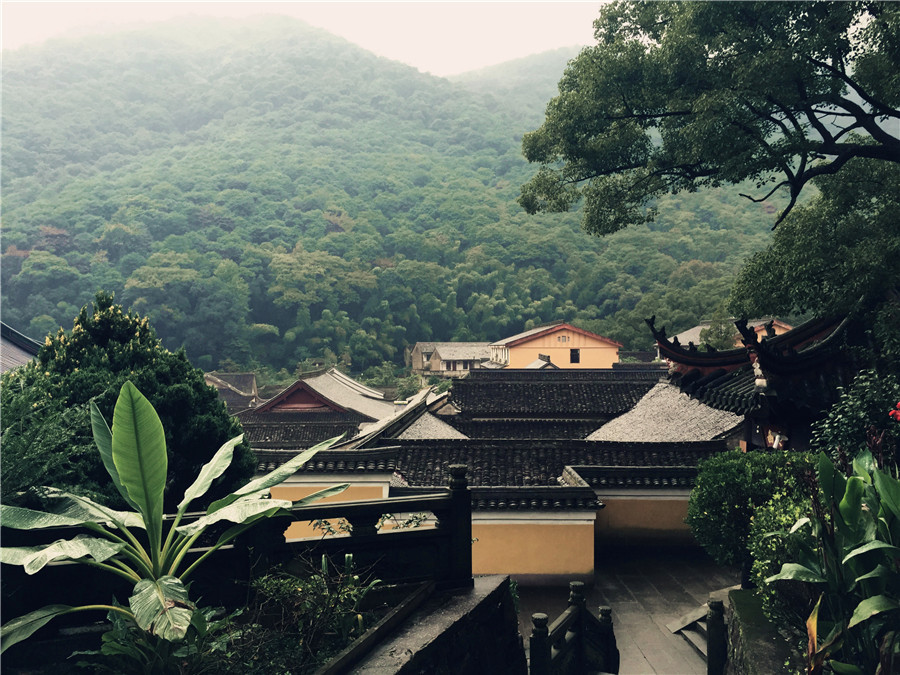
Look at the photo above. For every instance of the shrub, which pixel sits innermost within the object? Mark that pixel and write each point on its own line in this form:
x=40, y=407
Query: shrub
x=787, y=604
x=729, y=488
x=46, y=423
x=849, y=424
x=297, y=622
x=848, y=555
x=133, y=452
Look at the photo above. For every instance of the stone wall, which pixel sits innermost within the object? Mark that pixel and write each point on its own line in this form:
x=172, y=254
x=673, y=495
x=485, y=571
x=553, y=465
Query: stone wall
x=472, y=632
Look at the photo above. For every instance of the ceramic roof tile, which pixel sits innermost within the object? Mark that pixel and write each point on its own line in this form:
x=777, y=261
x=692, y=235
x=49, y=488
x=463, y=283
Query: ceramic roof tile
x=666, y=414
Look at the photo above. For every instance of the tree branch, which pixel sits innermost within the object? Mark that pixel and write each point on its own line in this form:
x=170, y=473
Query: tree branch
x=883, y=108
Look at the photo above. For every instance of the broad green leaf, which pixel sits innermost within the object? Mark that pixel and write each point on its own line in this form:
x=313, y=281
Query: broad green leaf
x=139, y=453
x=850, y=506
x=19, y=518
x=889, y=492
x=275, y=477
x=76, y=506
x=880, y=572
x=872, y=606
x=797, y=573
x=845, y=668
x=161, y=606
x=23, y=627
x=830, y=480
x=236, y=512
x=864, y=465
x=103, y=441
x=871, y=546
x=34, y=558
x=321, y=494
x=210, y=471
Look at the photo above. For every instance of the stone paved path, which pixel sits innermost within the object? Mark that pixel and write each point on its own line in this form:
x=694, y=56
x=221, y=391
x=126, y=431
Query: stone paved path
x=647, y=587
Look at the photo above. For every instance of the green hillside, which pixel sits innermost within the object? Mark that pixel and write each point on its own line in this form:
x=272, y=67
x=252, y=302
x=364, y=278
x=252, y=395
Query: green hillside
x=267, y=193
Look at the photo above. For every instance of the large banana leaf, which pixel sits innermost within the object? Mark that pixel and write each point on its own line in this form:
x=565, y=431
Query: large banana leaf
x=210, y=471
x=251, y=506
x=876, y=545
x=273, y=478
x=242, y=510
x=34, y=558
x=872, y=606
x=889, y=492
x=19, y=518
x=162, y=607
x=103, y=441
x=321, y=494
x=798, y=573
x=139, y=454
x=88, y=511
x=23, y=627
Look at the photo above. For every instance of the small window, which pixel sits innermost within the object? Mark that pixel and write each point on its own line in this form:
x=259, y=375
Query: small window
x=574, y=356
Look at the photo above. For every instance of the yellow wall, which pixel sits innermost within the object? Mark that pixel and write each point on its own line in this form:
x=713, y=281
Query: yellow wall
x=649, y=518
x=353, y=493
x=556, y=548
x=594, y=353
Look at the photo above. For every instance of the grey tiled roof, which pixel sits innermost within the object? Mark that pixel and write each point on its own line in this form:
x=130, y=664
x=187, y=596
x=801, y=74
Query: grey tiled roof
x=666, y=414
x=525, y=463
x=349, y=393
x=428, y=426
x=523, y=428
x=463, y=351
x=296, y=430
x=548, y=395
x=15, y=349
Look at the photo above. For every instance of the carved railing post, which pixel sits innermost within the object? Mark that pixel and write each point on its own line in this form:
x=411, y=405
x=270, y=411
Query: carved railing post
x=539, y=645
x=576, y=599
x=608, y=641
x=460, y=526
x=716, y=638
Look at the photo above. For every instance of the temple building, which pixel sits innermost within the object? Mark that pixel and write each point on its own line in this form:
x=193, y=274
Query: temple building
x=781, y=383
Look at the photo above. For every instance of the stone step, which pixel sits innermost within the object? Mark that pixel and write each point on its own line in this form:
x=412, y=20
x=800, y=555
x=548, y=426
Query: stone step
x=696, y=638
x=695, y=615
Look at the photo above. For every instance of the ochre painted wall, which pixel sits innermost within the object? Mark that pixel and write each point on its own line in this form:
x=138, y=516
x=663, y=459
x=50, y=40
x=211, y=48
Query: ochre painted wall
x=636, y=518
x=352, y=493
x=593, y=353
x=558, y=548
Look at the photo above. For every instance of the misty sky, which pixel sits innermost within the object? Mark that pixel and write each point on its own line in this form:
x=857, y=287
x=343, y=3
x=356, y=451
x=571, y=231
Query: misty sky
x=442, y=38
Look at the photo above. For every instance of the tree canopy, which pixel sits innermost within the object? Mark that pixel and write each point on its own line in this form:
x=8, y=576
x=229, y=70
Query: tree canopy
x=313, y=201
x=677, y=96
x=46, y=424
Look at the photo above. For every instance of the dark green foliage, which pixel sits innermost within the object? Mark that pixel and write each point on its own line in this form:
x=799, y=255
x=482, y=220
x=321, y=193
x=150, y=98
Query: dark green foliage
x=860, y=415
x=677, y=96
x=847, y=553
x=128, y=649
x=729, y=489
x=311, y=201
x=720, y=332
x=47, y=436
x=839, y=254
x=787, y=604
x=296, y=623
x=400, y=383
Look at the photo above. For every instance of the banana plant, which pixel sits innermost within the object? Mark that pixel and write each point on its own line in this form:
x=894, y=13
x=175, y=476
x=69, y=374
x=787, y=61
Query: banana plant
x=851, y=552
x=138, y=545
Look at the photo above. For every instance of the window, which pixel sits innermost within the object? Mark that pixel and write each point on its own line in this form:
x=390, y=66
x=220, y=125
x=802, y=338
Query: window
x=574, y=356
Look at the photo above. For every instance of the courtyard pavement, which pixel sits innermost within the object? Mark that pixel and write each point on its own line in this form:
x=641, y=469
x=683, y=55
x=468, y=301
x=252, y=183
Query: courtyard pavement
x=647, y=587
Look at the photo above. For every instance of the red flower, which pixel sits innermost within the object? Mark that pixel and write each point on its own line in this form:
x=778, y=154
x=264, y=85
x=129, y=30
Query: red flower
x=895, y=413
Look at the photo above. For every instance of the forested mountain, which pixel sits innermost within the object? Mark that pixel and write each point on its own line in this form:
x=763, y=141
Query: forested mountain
x=267, y=193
